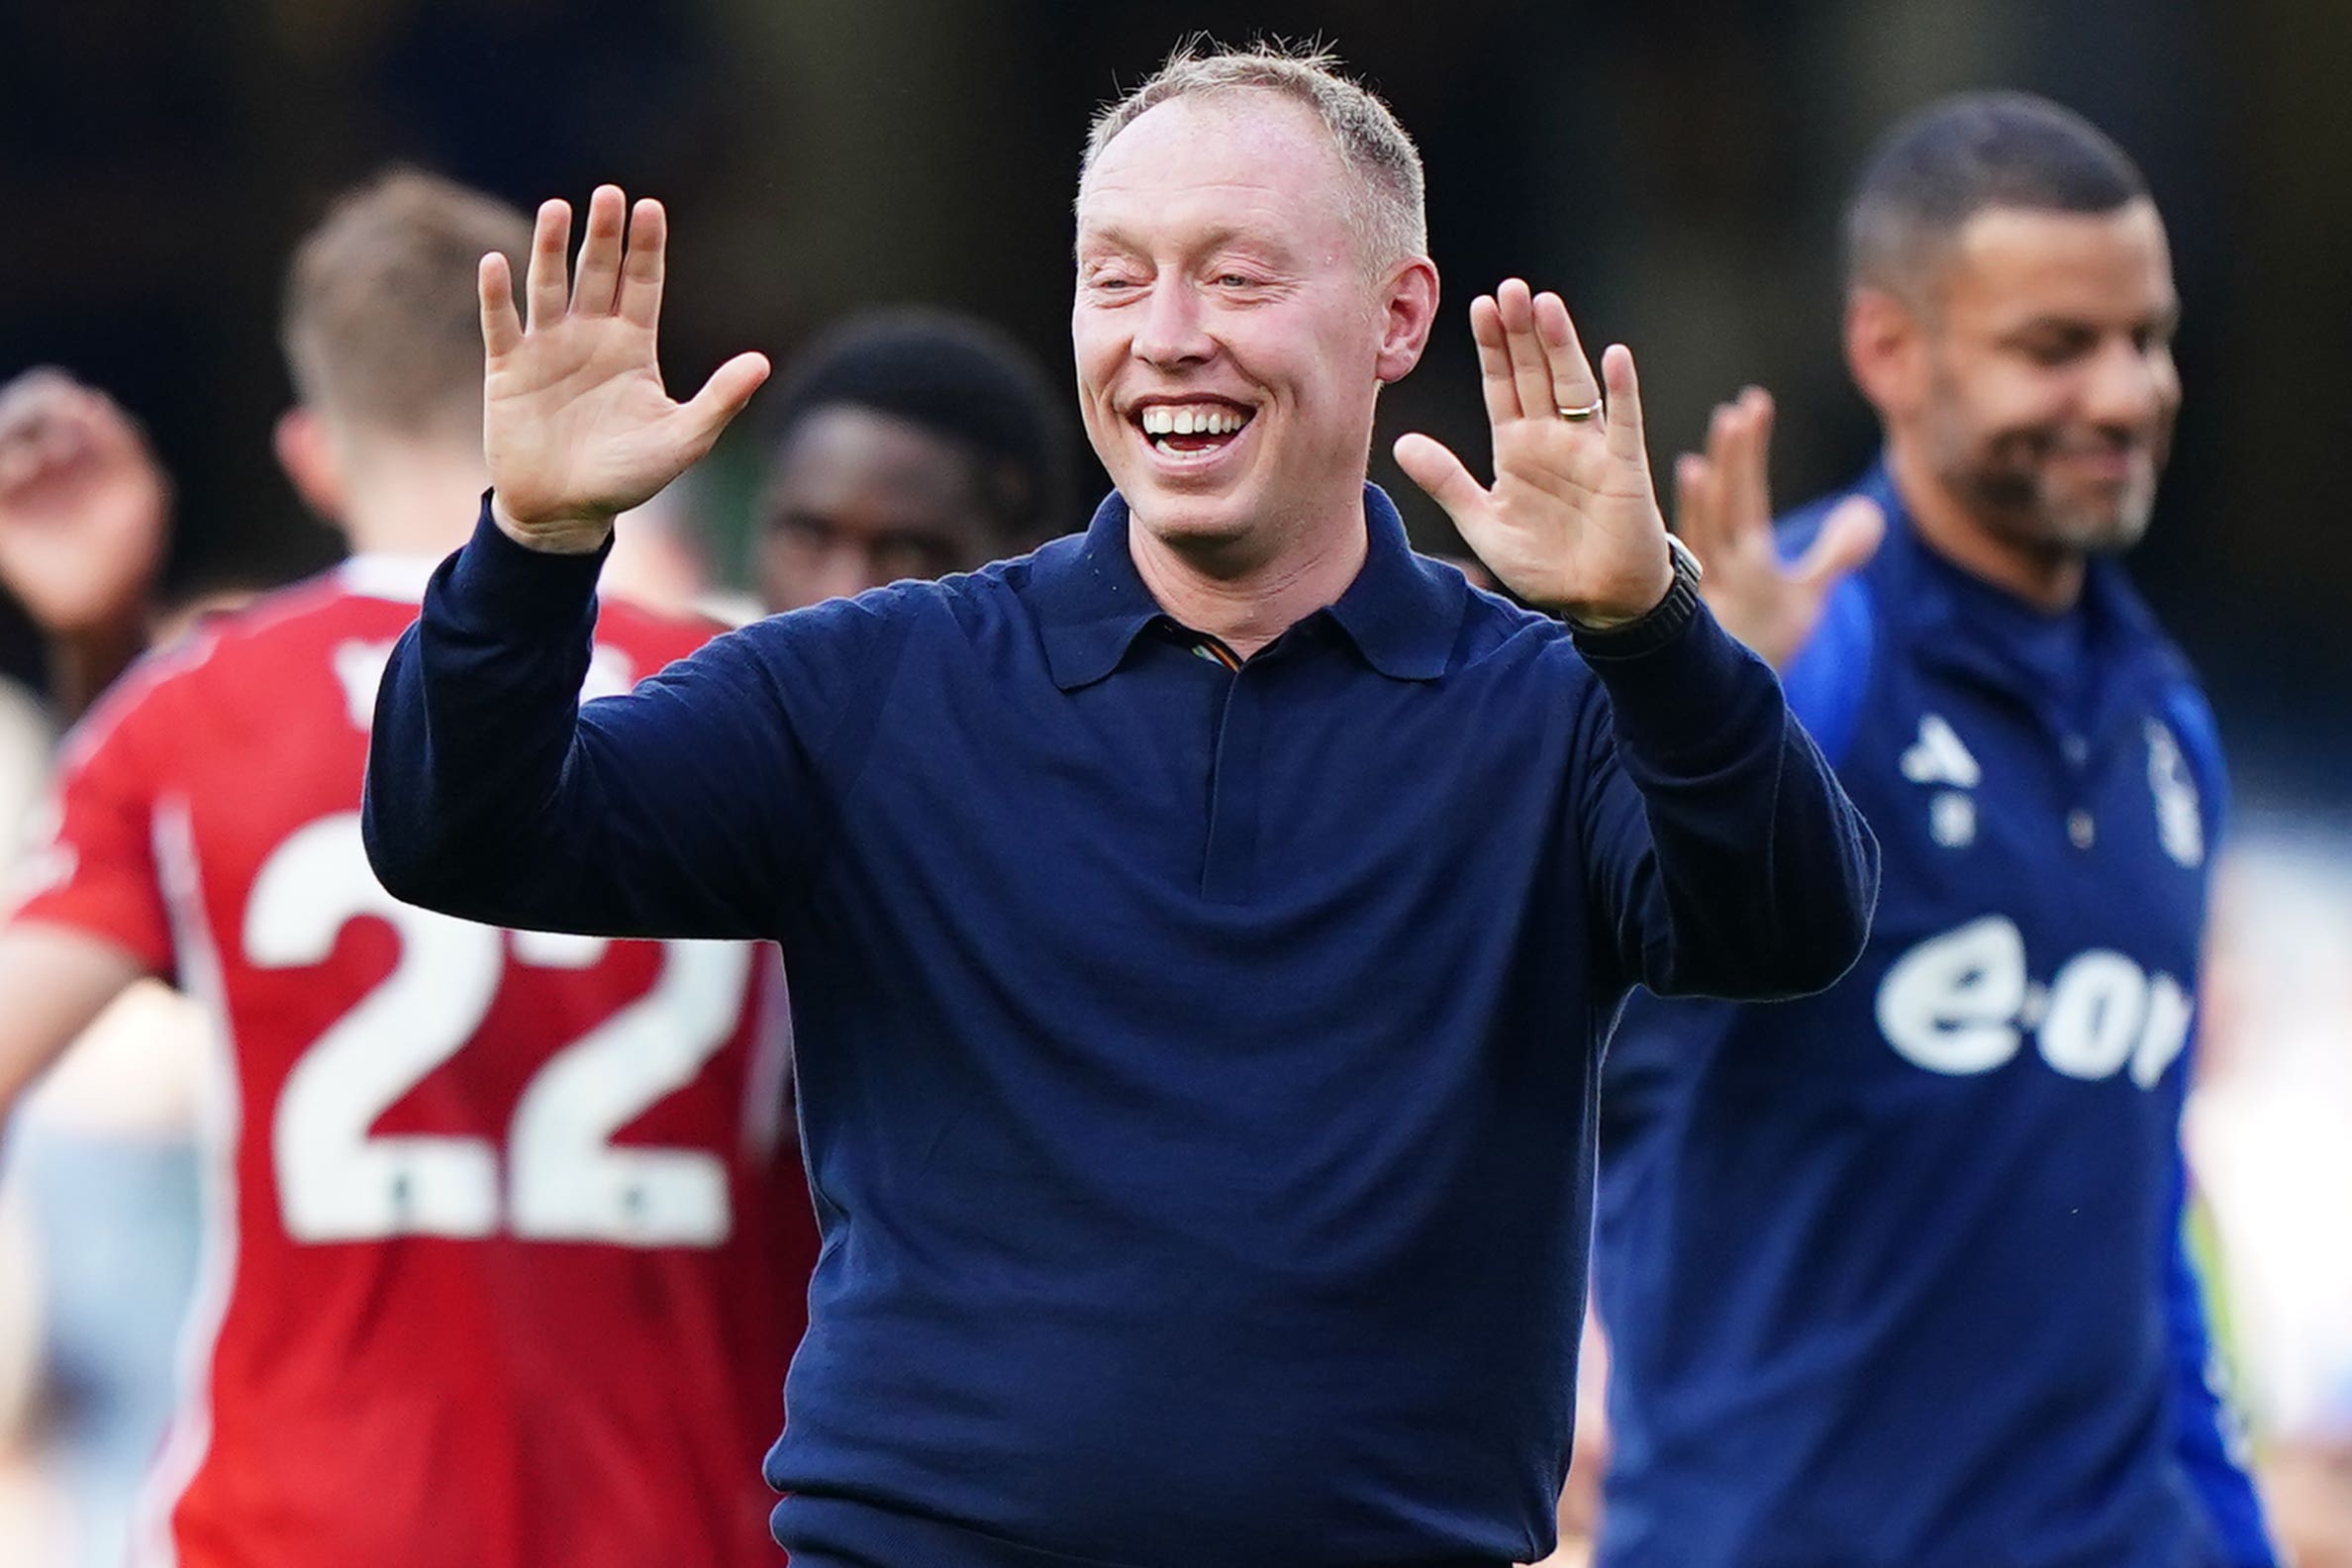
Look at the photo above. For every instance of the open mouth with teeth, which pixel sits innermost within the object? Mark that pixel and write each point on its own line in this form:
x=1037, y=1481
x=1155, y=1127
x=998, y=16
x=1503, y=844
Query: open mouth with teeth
x=1187, y=428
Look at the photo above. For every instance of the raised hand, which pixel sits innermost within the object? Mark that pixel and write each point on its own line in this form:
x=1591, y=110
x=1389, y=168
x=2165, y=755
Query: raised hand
x=83, y=508
x=1722, y=509
x=576, y=425
x=1572, y=520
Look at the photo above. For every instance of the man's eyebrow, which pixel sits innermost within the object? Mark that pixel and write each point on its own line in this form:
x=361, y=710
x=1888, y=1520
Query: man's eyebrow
x=1104, y=236
x=2045, y=322
x=1260, y=243
x=2166, y=315
x=1113, y=237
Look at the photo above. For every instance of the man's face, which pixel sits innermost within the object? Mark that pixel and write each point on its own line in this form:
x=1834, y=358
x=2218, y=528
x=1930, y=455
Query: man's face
x=2049, y=386
x=1230, y=343
x=858, y=499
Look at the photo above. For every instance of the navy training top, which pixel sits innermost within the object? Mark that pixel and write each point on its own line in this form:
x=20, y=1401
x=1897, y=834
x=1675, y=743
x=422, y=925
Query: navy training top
x=1895, y=1275
x=1196, y=1063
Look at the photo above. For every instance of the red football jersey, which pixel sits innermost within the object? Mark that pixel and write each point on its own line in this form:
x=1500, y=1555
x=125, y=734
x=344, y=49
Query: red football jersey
x=509, y=1242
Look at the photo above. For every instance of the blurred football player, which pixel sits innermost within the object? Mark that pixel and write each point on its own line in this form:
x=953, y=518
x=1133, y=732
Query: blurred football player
x=507, y=1230
x=908, y=444
x=1895, y=1274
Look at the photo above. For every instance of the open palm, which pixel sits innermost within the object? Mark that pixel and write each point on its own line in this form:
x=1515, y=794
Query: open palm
x=1724, y=512
x=577, y=424
x=1571, y=522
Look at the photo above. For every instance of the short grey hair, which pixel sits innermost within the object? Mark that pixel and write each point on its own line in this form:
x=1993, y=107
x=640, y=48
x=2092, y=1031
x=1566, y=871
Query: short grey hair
x=1966, y=154
x=1385, y=206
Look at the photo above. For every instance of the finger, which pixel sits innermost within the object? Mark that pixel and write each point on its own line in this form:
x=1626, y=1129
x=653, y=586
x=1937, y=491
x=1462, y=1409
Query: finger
x=1849, y=537
x=641, y=274
x=1572, y=383
x=1625, y=442
x=1694, y=506
x=1722, y=460
x=1747, y=482
x=721, y=398
x=1720, y=424
x=600, y=254
x=545, y=284
x=1494, y=361
x=1530, y=370
x=502, y=327
x=1427, y=462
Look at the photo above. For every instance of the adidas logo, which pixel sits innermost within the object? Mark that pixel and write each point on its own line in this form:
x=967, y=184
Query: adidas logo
x=1938, y=757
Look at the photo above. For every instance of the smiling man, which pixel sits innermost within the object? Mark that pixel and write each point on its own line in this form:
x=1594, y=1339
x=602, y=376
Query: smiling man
x=1895, y=1275
x=1202, y=929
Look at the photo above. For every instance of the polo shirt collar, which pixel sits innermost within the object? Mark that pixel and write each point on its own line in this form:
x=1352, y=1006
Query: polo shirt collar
x=1090, y=600
x=1401, y=613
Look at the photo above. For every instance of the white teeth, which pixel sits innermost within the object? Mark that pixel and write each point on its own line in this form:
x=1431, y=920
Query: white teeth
x=1168, y=418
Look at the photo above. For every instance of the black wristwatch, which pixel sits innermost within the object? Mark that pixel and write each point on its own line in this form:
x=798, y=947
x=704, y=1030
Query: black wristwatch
x=1667, y=616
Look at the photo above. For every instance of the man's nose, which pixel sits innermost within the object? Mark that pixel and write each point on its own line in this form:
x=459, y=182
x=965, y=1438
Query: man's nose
x=2126, y=386
x=1174, y=330
x=845, y=569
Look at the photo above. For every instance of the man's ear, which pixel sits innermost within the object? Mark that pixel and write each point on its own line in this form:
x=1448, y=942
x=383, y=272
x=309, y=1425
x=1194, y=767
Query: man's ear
x=307, y=453
x=1410, y=306
x=1886, y=348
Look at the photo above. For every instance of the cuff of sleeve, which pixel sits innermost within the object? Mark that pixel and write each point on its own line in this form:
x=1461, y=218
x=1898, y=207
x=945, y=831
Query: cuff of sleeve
x=526, y=590
x=1683, y=691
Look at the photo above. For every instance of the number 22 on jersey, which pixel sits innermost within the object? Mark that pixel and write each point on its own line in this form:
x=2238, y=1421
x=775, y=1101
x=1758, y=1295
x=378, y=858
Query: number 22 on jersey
x=562, y=1178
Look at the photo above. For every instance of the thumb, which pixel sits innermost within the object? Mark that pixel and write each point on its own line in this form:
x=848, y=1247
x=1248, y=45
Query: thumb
x=722, y=397
x=1427, y=462
x=1849, y=537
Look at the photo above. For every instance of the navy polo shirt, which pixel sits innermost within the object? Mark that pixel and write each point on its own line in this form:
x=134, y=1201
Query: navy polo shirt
x=1196, y=1056
x=1894, y=1274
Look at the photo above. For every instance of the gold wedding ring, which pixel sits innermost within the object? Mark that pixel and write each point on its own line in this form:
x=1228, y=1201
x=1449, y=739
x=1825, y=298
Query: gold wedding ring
x=1577, y=416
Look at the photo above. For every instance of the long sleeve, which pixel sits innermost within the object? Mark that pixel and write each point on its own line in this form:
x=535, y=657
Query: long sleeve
x=676, y=810
x=1727, y=859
